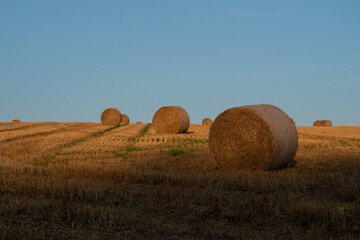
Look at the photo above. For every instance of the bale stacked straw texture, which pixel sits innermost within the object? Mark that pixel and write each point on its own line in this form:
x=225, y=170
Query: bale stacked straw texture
x=124, y=119
x=16, y=121
x=171, y=120
x=253, y=137
x=322, y=123
x=111, y=117
x=317, y=123
x=206, y=122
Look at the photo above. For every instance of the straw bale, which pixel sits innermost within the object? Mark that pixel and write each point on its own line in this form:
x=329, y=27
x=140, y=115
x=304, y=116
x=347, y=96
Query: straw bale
x=171, y=120
x=111, y=117
x=322, y=123
x=206, y=122
x=253, y=137
x=124, y=119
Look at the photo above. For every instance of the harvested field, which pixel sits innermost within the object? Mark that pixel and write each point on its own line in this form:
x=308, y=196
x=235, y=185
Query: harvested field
x=87, y=180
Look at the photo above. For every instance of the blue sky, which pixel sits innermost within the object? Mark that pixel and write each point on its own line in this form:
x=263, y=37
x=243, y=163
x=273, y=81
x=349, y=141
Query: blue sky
x=69, y=60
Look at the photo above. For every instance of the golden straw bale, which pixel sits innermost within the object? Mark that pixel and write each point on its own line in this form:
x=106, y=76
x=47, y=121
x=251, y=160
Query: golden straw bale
x=171, y=120
x=124, y=119
x=111, y=117
x=16, y=121
x=317, y=123
x=206, y=122
x=322, y=123
x=253, y=137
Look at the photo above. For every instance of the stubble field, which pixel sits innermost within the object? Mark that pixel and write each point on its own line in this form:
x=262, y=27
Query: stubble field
x=85, y=180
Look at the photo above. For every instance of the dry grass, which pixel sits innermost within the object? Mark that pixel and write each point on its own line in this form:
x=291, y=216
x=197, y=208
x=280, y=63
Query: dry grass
x=90, y=181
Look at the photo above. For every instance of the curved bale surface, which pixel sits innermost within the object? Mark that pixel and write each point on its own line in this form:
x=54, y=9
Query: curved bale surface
x=171, y=120
x=206, y=122
x=253, y=137
x=16, y=121
x=326, y=123
x=111, y=117
x=317, y=123
x=322, y=123
x=124, y=119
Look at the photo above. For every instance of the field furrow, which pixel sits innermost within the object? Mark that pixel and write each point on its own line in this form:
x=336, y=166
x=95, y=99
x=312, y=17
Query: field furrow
x=32, y=131
x=19, y=126
x=44, y=143
x=110, y=140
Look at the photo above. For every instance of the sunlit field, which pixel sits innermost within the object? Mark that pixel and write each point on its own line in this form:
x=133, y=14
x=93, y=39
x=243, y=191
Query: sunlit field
x=86, y=180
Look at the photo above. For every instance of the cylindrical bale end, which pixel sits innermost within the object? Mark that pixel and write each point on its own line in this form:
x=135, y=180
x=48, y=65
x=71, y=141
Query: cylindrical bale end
x=253, y=137
x=317, y=123
x=16, y=121
x=124, y=119
x=111, y=117
x=171, y=120
x=322, y=123
x=326, y=123
x=206, y=122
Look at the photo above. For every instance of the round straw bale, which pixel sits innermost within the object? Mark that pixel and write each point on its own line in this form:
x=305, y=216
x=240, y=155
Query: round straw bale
x=322, y=123
x=139, y=122
x=317, y=123
x=171, y=120
x=206, y=122
x=124, y=119
x=326, y=123
x=16, y=121
x=111, y=117
x=253, y=137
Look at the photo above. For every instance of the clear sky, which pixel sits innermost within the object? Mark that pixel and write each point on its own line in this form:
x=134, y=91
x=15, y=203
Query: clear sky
x=68, y=60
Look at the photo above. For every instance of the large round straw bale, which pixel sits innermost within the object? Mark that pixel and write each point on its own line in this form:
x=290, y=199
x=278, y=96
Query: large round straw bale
x=206, y=122
x=111, y=117
x=171, y=120
x=322, y=123
x=16, y=121
x=124, y=119
x=253, y=137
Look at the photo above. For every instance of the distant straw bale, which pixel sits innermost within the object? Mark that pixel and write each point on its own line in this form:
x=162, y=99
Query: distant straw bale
x=206, y=122
x=171, y=120
x=124, y=119
x=111, y=117
x=253, y=137
x=16, y=121
x=322, y=123
x=139, y=122
x=317, y=123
